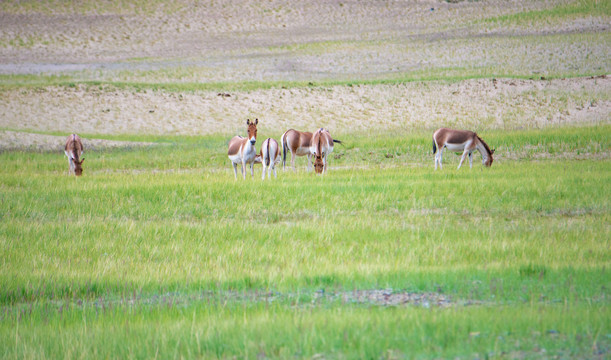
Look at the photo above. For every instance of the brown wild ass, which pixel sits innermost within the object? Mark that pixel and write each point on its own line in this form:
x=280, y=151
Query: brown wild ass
x=242, y=150
x=73, y=150
x=298, y=143
x=322, y=146
x=270, y=155
x=460, y=140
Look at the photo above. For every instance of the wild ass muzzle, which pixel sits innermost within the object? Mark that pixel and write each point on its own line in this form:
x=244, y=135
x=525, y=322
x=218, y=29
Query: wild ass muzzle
x=298, y=143
x=242, y=150
x=322, y=146
x=270, y=156
x=460, y=140
x=73, y=150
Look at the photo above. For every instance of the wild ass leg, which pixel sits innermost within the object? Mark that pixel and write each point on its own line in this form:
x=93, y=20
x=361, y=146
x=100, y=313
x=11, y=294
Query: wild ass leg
x=263, y=172
x=252, y=170
x=471, y=160
x=235, y=170
x=275, y=175
x=439, y=158
x=324, y=168
x=435, y=159
x=243, y=169
x=436, y=155
x=309, y=162
x=293, y=161
x=462, y=158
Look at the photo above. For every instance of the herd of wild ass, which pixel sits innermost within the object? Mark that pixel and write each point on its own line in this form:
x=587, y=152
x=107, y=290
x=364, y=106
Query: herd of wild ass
x=298, y=143
x=319, y=145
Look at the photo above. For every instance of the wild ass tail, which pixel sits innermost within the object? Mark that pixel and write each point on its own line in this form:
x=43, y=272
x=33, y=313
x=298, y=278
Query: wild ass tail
x=284, y=148
x=434, y=147
x=337, y=141
x=267, y=156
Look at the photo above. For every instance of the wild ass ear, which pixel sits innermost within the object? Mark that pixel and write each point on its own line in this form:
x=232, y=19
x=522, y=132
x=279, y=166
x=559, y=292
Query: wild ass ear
x=82, y=161
x=492, y=151
x=247, y=121
x=256, y=121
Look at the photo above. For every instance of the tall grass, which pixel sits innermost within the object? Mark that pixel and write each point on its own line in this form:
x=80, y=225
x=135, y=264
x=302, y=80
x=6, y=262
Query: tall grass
x=159, y=252
x=176, y=216
x=277, y=331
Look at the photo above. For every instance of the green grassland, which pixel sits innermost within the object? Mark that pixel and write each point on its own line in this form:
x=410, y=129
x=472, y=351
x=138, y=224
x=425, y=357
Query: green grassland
x=157, y=252
x=163, y=247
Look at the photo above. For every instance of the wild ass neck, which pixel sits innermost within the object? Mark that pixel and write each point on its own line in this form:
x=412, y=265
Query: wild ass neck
x=249, y=150
x=482, y=150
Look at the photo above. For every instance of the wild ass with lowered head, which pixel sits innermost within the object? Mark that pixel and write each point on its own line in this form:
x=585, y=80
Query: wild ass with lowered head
x=322, y=146
x=298, y=143
x=73, y=150
x=270, y=155
x=460, y=140
x=242, y=150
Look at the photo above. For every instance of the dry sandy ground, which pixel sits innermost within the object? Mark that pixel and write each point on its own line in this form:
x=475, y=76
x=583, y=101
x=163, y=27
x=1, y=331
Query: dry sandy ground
x=239, y=40
x=242, y=40
x=101, y=31
x=474, y=104
x=15, y=140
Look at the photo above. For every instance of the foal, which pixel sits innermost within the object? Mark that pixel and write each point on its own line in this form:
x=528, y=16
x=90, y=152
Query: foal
x=270, y=155
x=242, y=150
x=73, y=150
x=298, y=143
x=460, y=140
x=322, y=146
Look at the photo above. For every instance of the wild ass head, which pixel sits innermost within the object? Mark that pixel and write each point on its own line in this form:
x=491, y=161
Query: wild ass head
x=488, y=161
x=252, y=131
x=78, y=167
x=486, y=158
x=319, y=165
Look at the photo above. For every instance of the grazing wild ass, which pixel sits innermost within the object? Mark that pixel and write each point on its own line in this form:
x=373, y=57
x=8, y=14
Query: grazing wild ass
x=298, y=143
x=73, y=150
x=322, y=146
x=460, y=140
x=242, y=150
x=270, y=155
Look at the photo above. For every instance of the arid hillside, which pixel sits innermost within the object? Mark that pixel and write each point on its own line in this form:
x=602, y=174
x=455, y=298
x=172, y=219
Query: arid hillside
x=371, y=65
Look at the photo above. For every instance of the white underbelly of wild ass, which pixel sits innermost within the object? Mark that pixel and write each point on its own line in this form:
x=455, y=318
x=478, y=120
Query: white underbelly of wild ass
x=457, y=147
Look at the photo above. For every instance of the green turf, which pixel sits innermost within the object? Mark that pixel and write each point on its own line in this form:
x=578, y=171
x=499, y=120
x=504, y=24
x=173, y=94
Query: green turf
x=159, y=252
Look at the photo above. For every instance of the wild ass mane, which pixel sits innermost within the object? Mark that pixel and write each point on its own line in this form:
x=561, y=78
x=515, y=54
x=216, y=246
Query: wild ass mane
x=485, y=145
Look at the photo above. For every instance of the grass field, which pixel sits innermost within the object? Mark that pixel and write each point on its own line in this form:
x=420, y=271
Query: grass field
x=157, y=253
x=511, y=261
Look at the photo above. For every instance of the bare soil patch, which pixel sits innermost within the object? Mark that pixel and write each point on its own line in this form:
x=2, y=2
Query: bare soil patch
x=474, y=104
x=99, y=32
x=239, y=40
x=367, y=297
x=14, y=140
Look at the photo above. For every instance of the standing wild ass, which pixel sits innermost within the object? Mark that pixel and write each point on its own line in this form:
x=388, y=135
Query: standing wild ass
x=322, y=146
x=242, y=150
x=270, y=155
x=460, y=140
x=73, y=150
x=298, y=143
